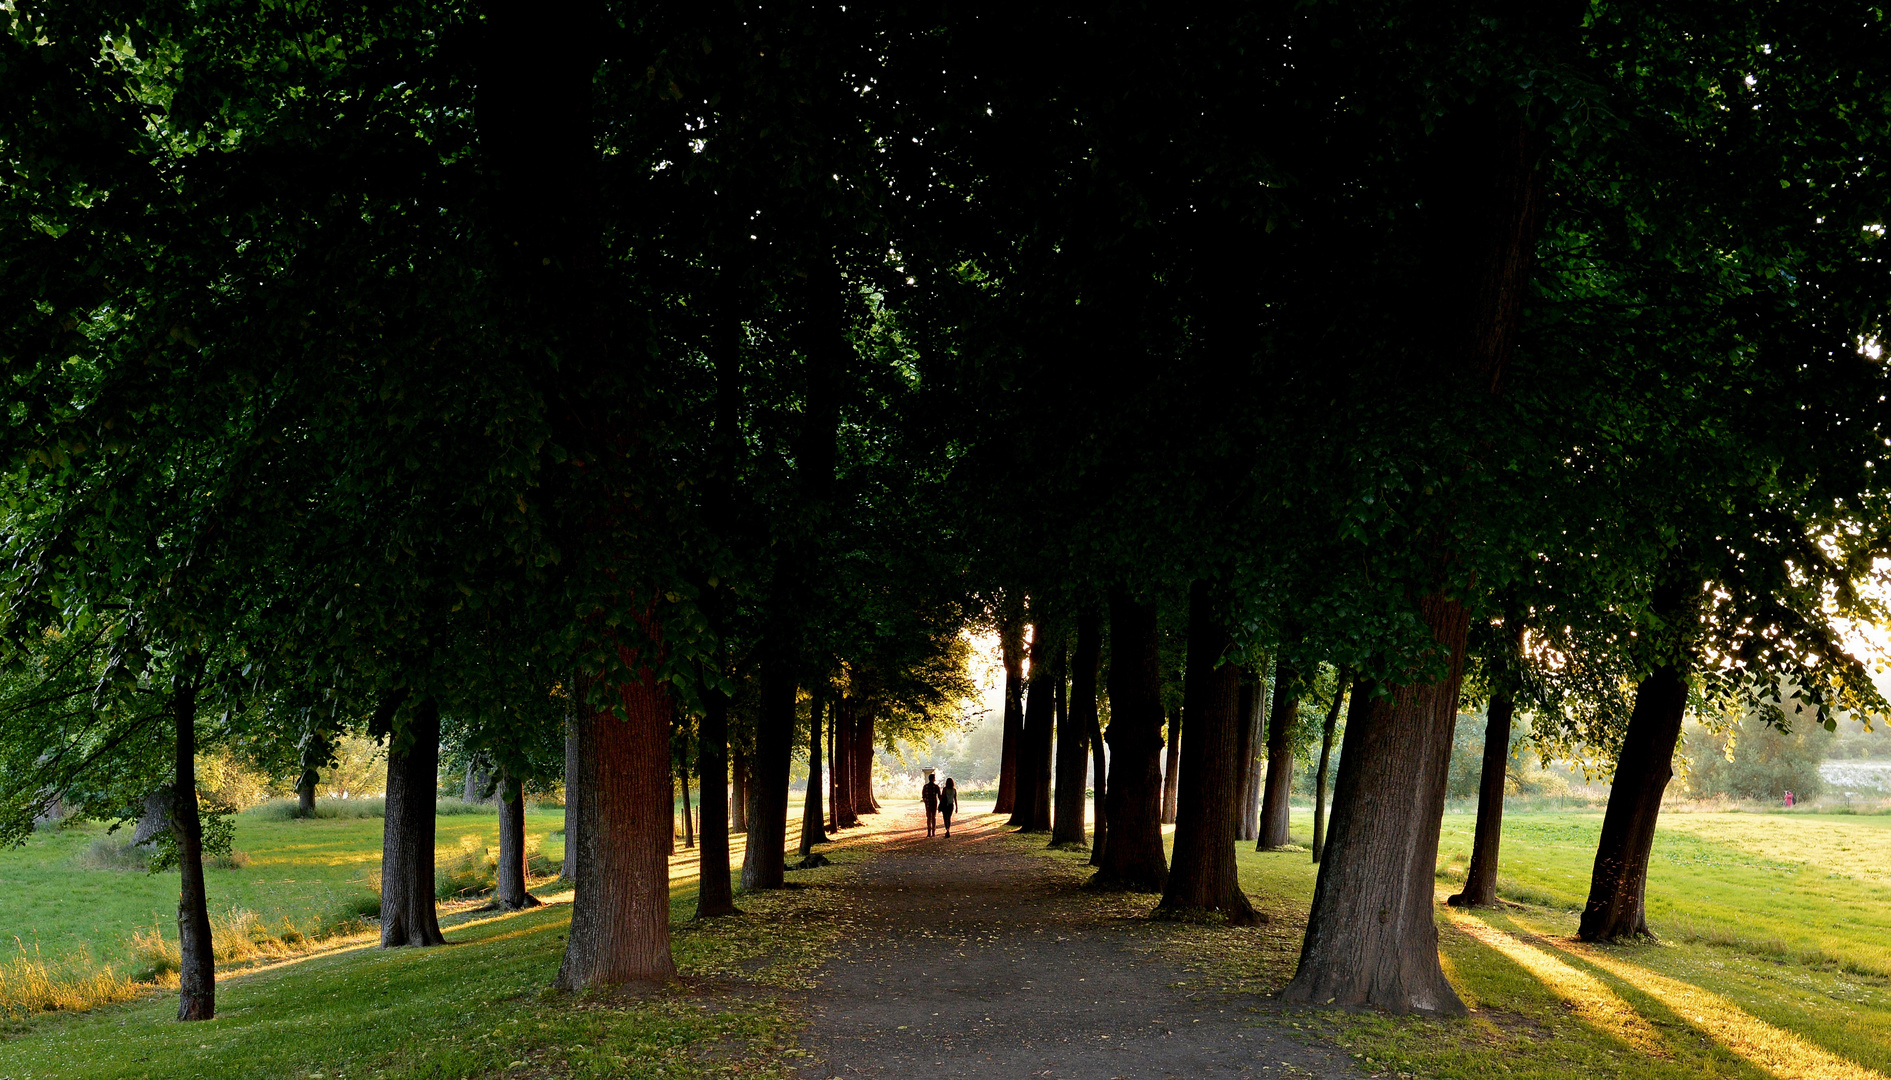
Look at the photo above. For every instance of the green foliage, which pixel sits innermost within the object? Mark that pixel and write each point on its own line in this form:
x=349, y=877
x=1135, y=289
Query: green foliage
x=1753, y=759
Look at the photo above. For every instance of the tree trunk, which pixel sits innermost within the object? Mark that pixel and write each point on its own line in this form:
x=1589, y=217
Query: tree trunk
x=764, y=861
x=1202, y=874
x=620, y=907
x=1480, y=881
x=864, y=800
x=714, y=894
x=568, y=870
x=1073, y=733
x=313, y=752
x=1033, y=810
x=1247, y=753
x=832, y=793
x=1171, y=772
x=407, y=902
x=1642, y=772
x=1371, y=939
x=197, y=962
x=1341, y=680
x=811, y=831
x=846, y=767
x=689, y=823
x=1273, y=825
x=477, y=778
x=509, y=892
x=1011, y=645
x=738, y=791
x=1133, y=859
x=1099, y=771
x=156, y=818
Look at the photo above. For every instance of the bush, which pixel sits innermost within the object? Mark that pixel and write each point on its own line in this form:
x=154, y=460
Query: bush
x=1754, y=760
x=287, y=809
x=110, y=853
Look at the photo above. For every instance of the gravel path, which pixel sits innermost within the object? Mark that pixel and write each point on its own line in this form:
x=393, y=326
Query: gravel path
x=973, y=959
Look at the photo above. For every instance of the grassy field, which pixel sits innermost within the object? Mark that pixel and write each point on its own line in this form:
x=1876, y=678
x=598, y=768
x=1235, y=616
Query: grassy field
x=298, y=871
x=1772, y=962
x=480, y=1006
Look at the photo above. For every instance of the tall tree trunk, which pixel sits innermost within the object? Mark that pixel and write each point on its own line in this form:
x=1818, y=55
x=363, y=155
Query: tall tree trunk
x=1341, y=680
x=1480, y=881
x=1642, y=772
x=407, y=903
x=478, y=777
x=1202, y=874
x=314, y=752
x=1273, y=826
x=682, y=781
x=864, y=800
x=620, y=908
x=714, y=894
x=197, y=962
x=568, y=869
x=1099, y=772
x=1033, y=810
x=509, y=889
x=1171, y=771
x=1133, y=858
x=1371, y=940
x=811, y=831
x=1073, y=733
x=764, y=861
x=738, y=791
x=833, y=764
x=1011, y=646
x=1247, y=755
x=846, y=767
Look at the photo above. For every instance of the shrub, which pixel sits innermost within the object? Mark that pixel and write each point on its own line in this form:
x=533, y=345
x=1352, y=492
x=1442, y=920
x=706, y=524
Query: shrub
x=111, y=853
x=28, y=984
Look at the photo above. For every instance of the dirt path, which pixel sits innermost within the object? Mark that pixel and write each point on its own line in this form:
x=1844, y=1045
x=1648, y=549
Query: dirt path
x=977, y=960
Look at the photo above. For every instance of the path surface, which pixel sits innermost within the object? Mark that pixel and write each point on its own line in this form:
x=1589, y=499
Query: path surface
x=976, y=960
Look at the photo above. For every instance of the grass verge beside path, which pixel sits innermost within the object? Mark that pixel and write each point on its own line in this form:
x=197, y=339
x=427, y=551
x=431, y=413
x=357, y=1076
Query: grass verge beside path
x=1545, y=1007
x=480, y=1006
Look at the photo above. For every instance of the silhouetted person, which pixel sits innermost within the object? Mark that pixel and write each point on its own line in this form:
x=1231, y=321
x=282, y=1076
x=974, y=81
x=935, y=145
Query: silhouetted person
x=948, y=802
x=930, y=796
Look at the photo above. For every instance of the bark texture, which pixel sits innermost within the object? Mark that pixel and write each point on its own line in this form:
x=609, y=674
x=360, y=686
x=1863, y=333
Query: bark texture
x=197, y=963
x=1011, y=646
x=1247, y=752
x=314, y=752
x=1033, y=811
x=509, y=888
x=715, y=896
x=1073, y=733
x=846, y=771
x=812, y=830
x=689, y=819
x=1341, y=682
x=738, y=791
x=1099, y=785
x=620, y=908
x=1371, y=940
x=568, y=870
x=1273, y=831
x=408, y=916
x=1133, y=859
x=1202, y=873
x=864, y=801
x=1480, y=881
x=1642, y=772
x=1171, y=766
x=764, y=862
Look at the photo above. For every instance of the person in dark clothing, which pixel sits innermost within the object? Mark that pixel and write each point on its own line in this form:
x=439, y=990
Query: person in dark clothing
x=930, y=796
x=948, y=802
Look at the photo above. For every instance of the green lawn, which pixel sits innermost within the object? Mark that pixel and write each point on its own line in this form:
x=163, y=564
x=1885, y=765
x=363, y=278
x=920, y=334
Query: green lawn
x=298, y=870
x=1772, y=963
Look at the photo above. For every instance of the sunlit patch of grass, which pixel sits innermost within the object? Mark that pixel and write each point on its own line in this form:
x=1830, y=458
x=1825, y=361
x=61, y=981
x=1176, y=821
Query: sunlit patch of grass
x=31, y=984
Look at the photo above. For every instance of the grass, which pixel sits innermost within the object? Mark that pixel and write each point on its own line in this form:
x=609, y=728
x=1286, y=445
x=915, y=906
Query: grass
x=1758, y=974
x=478, y=1007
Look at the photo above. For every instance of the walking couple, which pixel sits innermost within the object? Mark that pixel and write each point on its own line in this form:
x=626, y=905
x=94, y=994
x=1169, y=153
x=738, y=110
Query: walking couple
x=939, y=801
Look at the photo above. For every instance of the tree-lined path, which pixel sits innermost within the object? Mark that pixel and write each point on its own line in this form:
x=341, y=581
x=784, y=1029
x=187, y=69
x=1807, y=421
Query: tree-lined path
x=975, y=958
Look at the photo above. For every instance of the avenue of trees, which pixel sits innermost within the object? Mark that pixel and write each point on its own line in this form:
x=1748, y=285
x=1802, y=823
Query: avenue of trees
x=610, y=389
